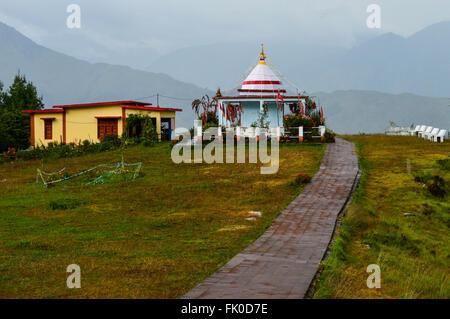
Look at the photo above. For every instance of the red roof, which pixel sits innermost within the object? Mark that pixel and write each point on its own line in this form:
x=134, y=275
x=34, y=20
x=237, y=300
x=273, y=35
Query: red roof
x=238, y=97
x=151, y=108
x=44, y=111
x=124, y=104
x=104, y=104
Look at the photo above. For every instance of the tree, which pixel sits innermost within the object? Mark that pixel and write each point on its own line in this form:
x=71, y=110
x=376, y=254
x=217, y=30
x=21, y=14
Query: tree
x=262, y=120
x=209, y=107
x=14, y=125
x=310, y=105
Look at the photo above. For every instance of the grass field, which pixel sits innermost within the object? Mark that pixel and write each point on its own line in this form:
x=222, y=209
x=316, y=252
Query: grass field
x=156, y=237
x=412, y=251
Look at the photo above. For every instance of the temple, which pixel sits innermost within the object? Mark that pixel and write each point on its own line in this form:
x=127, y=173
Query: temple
x=261, y=89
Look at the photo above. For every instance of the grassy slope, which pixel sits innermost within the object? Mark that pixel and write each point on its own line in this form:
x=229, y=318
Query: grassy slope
x=413, y=252
x=154, y=238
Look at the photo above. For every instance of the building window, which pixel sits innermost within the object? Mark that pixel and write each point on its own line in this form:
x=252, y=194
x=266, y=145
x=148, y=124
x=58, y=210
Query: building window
x=106, y=126
x=48, y=127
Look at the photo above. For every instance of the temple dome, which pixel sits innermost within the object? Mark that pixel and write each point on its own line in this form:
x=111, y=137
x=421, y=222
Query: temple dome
x=261, y=80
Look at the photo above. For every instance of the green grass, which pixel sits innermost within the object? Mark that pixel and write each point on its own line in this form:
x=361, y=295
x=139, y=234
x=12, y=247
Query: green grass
x=156, y=237
x=412, y=251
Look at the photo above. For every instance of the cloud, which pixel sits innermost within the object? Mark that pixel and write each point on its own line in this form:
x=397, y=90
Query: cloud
x=167, y=25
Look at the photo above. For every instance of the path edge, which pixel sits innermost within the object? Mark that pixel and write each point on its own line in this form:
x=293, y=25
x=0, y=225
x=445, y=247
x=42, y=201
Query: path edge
x=339, y=219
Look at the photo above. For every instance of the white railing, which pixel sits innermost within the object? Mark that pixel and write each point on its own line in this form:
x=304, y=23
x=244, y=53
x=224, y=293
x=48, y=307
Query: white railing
x=300, y=133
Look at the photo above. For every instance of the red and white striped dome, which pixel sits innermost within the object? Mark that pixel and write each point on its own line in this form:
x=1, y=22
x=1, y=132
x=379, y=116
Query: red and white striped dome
x=262, y=80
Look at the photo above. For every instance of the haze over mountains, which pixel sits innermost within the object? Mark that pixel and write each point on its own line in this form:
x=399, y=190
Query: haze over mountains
x=419, y=64
x=62, y=79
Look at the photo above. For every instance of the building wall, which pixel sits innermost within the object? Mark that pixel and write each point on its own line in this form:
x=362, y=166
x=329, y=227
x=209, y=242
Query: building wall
x=39, y=127
x=251, y=113
x=154, y=114
x=81, y=123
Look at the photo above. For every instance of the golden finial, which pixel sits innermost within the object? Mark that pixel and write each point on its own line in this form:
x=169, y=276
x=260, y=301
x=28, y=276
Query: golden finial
x=262, y=49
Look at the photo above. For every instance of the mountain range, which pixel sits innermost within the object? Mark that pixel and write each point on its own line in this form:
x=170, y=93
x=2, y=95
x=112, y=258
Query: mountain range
x=62, y=79
x=390, y=63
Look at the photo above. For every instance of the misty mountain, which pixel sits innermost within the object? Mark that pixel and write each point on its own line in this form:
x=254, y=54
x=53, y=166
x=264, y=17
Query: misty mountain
x=65, y=80
x=62, y=79
x=355, y=112
x=224, y=65
x=390, y=63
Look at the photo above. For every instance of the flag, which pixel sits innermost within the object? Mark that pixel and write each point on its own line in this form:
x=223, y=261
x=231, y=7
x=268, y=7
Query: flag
x=314, y=105
x=321, y=115
x=279, y=97
x=222, y=108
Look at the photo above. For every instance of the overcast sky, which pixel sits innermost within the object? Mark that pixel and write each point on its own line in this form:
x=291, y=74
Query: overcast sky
x=112, y=27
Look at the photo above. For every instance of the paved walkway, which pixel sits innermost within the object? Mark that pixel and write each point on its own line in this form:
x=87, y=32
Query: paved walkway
x=283, y=261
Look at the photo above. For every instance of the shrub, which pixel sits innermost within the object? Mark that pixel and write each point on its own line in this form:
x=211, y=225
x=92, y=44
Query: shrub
x=444, y=164
x=111, y=140
x=437, y=186
x=329, y=137
x=301, y=179
x=296, y=120
x=422, y=177
x=64, y=204
x=209, y=117
x=9, y=155
x=140, y=128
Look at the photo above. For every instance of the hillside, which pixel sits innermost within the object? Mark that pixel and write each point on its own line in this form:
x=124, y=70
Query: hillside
x=62, y=79
x=388, y=63
x=353, y=112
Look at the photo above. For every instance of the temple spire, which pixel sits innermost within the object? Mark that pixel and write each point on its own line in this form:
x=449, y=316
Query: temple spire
x=261, y=80
x=262, y=57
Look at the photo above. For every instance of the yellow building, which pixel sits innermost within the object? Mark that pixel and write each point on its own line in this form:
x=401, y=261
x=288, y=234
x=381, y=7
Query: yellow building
x=78, y=122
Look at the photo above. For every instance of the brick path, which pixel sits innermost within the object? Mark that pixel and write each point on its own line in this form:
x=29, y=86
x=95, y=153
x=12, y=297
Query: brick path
x=283, y=261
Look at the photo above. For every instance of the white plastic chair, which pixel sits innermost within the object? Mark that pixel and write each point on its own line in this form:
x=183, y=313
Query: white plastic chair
x=414, y=131
x=439, y=137
x=429, y=135
x=428, y=130
x=421, y=129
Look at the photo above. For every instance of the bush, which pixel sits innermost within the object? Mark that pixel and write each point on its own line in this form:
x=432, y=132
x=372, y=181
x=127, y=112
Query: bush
x=9, y=155
x=139, y=129
x=444, y=164
x=330, y=137
x=422, y=177
x=435, y=184
x=296, y=120
x=64, y=204
x=301, y=179
x=111, y=140
x=437, y=187
x=209, y=117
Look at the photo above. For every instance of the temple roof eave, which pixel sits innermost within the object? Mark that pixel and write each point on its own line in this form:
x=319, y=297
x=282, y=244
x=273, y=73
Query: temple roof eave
x=262, y=97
